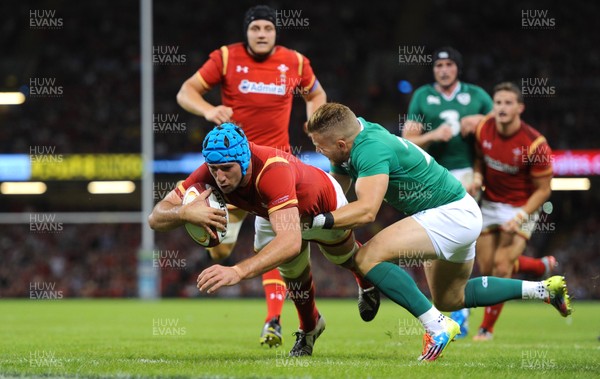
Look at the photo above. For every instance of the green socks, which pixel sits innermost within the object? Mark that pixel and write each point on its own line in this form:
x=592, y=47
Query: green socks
x=489, y=290
x=397, y=285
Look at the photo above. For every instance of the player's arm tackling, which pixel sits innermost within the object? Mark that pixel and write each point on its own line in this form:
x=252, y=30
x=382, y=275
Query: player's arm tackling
x=370, y=191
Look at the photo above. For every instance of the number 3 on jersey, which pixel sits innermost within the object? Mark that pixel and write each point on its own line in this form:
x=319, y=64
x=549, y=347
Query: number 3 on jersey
x=452, y=118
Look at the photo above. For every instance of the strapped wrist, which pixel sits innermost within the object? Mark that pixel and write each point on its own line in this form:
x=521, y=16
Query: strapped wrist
x=323, y=221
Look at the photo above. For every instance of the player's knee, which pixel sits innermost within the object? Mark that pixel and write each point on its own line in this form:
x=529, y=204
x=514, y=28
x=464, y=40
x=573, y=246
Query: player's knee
x=296, y=267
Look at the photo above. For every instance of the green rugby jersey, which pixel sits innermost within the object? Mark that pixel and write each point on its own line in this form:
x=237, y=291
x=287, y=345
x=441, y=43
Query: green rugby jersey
x=417, y=181
x=431, y=108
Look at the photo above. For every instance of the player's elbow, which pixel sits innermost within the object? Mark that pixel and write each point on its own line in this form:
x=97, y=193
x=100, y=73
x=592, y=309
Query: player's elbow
x=181, y=96
x=369, y=217
x=368, y=211
x=153, y=222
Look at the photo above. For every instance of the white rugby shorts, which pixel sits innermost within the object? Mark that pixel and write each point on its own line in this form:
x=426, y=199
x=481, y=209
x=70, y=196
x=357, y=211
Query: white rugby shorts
x=495, y=214
x=453, y=228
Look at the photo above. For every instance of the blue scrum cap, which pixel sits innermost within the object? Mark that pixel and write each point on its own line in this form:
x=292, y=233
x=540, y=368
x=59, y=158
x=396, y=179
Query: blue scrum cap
x=227, y=143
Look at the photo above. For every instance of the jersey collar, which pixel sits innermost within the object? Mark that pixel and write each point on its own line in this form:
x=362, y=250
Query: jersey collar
x=452, y=95
x=362, y=127
x=346, y=164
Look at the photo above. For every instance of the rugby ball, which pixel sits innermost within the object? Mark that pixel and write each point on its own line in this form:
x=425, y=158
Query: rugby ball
x=215, y=200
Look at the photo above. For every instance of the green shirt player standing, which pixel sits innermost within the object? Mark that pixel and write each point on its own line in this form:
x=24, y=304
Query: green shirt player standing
x=443, y=225
x=442, y=116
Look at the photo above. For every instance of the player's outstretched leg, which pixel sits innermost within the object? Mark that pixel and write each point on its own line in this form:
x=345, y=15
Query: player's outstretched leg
x=490, y=290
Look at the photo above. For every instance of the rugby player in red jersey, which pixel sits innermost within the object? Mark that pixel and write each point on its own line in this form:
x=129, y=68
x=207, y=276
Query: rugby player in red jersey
x=514, y=163
x=284, y=194
x=258, y=82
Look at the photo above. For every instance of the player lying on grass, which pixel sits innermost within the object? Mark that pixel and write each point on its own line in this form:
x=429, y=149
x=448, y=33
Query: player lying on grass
x=443, y=225
x=280, y=190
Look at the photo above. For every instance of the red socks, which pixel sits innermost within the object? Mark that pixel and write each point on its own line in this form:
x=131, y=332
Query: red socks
x=274, y=293
x=530, y=265
x=491, y=316
x=303, y=296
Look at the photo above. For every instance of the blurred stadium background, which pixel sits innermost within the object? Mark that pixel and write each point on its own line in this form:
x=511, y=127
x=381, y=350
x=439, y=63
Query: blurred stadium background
x=78, y=65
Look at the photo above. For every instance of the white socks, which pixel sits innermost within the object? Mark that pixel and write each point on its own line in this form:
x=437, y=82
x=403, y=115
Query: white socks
x=432, y=321
x=534, y=290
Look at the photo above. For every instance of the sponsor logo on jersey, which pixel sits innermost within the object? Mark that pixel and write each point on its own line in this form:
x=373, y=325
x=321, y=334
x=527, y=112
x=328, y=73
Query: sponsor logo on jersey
x=463, y=98
x=433, y=100
x=247, y=86
x=243, y=69
x=499, y=166
x=487, y=144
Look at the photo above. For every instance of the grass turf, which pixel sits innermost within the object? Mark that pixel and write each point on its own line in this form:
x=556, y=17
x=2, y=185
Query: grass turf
x=219, y=338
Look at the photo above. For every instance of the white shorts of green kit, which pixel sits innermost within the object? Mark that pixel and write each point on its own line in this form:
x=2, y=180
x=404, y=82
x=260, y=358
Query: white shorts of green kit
x=453, y=229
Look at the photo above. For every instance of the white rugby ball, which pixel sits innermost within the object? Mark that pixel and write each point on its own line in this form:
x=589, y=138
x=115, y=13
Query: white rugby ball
x=215, y=200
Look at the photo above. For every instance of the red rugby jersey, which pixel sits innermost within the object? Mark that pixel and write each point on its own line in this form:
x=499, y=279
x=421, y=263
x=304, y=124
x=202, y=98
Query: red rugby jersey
x=260, y=93
x=509, y=163
x=279, y=180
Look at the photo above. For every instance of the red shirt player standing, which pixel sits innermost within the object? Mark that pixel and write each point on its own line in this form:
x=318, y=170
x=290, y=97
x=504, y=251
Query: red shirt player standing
x=514, y=163
x=258, y=82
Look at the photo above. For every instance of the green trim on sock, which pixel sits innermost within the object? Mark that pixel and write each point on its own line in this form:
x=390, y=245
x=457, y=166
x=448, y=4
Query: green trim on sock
x=489, y=290
x=397, y=285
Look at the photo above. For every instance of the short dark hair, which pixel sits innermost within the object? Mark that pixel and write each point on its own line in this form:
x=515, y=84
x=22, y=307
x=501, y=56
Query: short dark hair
x=510, y=87
x=332, y=117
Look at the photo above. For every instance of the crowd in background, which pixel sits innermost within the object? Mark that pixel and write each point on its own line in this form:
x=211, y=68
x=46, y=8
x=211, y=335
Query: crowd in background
x=354, y=49
x=100, y=260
